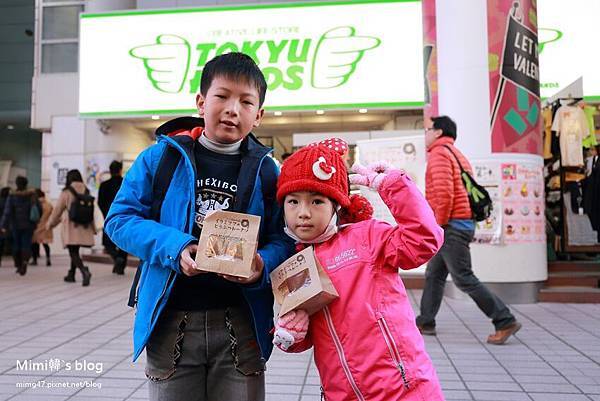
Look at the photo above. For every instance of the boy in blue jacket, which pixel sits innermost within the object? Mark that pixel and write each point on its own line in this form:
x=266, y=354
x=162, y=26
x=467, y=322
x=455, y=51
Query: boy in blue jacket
x=207, y=336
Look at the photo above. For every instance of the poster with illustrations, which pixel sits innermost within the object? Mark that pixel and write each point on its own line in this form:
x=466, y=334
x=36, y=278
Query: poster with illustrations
x=407, y=153
x=487, y=174
x=522, y=187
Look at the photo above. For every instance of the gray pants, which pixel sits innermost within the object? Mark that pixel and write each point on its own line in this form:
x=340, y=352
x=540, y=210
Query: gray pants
x=205, y=356
x=454, y=257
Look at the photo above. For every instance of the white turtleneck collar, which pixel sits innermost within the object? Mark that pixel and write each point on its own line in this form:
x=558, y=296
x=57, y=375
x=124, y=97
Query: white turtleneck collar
x=222, y=148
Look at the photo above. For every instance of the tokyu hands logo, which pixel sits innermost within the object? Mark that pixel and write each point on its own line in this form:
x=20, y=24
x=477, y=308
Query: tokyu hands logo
x=171, y=62
x=166, y=62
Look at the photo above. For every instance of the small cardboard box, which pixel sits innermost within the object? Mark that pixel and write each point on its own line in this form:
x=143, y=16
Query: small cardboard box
x=301, y=283
x=228, y=243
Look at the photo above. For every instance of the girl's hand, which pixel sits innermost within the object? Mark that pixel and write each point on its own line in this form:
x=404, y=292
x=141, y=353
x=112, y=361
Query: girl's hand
x=371, y=176
x=291, y=328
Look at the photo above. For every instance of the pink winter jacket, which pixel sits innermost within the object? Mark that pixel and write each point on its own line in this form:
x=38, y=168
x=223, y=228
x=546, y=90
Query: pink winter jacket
x=367, y=346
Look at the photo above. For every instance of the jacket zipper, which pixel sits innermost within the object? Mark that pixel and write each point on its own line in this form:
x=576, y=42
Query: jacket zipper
x=162, y=294
x=341, y=355
x=393, y=349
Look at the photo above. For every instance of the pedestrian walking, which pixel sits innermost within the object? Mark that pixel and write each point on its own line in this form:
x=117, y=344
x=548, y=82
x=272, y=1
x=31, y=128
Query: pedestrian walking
x=78, y=227
x=3, y=235
x=21, y=214
x=106, y=195
x=366, y=343
x=448, y=198
x=41, y=235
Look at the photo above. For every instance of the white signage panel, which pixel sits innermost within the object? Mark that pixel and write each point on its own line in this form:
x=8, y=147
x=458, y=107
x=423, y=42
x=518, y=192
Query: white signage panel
x=567, y=34
x=313, y=55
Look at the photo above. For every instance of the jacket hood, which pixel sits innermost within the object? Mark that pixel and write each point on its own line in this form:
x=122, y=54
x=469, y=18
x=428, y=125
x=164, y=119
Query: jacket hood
x=193, y=127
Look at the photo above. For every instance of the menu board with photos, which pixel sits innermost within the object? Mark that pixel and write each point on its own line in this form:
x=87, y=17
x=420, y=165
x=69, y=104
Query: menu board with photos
x=516, y=189
x=487, y=174
x=522, y=187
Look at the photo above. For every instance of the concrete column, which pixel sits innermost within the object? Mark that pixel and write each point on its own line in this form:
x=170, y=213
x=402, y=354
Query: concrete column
x=513, y=268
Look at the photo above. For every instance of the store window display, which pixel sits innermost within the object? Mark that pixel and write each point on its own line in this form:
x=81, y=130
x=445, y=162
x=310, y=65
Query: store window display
x=571, y=125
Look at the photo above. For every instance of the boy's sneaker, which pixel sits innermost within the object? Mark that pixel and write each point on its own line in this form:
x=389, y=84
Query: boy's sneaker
x=427, y=330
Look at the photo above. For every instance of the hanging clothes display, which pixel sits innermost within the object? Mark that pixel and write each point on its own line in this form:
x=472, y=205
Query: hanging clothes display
x=571, y=126
x=590, y=140
x=547, y=115
x=572, y=175
x=591, y=195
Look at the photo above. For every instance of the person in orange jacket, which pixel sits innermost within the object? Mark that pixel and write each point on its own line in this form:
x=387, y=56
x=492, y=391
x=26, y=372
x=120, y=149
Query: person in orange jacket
x=448, y=198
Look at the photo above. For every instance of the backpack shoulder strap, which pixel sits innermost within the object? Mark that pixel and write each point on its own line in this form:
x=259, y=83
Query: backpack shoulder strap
x=268, y=180
x=456, y=157
x=162, y=179
x=160, y=185
x=72, y=191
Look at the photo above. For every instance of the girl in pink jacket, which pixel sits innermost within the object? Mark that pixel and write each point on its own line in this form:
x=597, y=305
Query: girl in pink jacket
x=366, y=344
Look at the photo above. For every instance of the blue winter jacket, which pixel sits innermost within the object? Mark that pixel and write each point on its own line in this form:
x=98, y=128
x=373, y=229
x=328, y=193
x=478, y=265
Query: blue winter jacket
x=159, y=244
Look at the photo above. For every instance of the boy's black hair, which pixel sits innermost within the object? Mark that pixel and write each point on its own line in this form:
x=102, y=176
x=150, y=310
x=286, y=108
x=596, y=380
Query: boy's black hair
x=21, y=183
x=40, y=193
x=234, y=66
x=446, y=124
x=115, y=168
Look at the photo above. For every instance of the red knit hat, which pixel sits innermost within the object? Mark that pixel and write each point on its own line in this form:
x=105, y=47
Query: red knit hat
x=317, y=167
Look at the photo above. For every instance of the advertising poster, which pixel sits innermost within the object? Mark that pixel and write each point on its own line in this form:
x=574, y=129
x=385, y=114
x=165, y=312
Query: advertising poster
x=407, y=153
x=97, y=170
x=430, y=108
x=60, y=166
x=487, y=174
x=514, y=76
x=522, y=187
x=310, y=59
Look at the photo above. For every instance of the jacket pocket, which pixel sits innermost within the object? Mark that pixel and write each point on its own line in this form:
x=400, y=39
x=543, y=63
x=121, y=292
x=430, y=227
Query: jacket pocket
x=393, y=349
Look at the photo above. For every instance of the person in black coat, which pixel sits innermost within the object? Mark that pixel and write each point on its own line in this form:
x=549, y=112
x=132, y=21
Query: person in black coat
x=18, y=215
x=106, y=195
x=3, y=198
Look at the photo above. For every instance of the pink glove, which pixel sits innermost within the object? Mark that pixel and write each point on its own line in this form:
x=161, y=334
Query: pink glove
x=371, y=176
x=290, y=329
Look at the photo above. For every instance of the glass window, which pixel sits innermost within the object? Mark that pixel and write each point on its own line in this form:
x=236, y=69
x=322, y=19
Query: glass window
x=59, y=57
x=61, y=22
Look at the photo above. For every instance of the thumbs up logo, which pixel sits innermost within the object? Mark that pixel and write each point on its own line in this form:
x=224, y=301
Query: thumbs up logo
x=166, y=62
x=338, y=52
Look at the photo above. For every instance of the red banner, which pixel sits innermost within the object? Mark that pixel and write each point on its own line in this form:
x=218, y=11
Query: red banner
x=430, y=59
x=514, y=76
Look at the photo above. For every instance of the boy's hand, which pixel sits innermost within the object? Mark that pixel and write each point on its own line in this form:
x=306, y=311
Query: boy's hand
x=257, y=268
x=187, y=263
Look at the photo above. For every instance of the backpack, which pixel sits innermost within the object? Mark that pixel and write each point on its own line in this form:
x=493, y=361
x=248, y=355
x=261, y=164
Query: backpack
x=479, y=198
x=162, y=180
x=81, y=210
x=34, y=213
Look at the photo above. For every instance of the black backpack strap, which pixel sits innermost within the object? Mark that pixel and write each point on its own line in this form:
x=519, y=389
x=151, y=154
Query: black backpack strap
x=268, y=180
x=160, y=185
x=71, y=190
x=456, y=157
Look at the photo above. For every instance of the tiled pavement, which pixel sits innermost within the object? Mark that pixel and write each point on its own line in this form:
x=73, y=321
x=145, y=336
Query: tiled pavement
x=555, y=357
